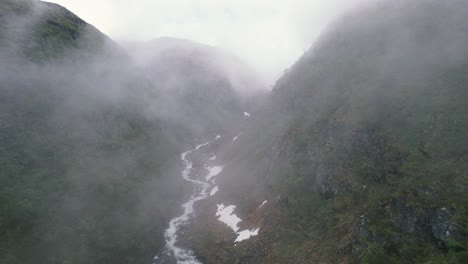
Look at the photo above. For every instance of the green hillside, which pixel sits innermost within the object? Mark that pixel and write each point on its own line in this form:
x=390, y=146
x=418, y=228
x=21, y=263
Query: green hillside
x=89, y=158
x=43, y=31
x=78, y=155
x=362, y=147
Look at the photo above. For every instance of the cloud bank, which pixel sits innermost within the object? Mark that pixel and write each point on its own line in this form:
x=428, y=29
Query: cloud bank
x=269, y=35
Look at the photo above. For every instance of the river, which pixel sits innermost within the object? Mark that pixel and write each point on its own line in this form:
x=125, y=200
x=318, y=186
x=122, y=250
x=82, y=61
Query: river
x=181, y=255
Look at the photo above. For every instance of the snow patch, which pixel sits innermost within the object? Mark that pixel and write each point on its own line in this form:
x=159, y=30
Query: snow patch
x=236, y=137
x=213, y=157
x=214, y=190
x=217, y=137
x=246, y=234
x=264, y=202
x=213, y=171
x=246, y=114
x=225, y=215
x=196, y=148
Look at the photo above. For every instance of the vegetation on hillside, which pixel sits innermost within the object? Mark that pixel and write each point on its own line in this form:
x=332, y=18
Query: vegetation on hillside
x=89, y=151
x=363, y=142
x=360, y=149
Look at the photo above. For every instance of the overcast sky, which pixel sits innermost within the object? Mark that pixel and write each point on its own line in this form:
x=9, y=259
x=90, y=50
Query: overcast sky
x=268, y=34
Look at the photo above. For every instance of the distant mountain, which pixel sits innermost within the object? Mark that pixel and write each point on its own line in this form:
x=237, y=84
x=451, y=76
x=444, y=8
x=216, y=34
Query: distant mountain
x=361, y=150
x=89, y=149
x=202, y=85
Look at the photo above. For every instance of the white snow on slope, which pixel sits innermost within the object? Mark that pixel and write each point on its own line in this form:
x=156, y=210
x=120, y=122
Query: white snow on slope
x=213, y=171
x=236, y=137
x=213, y=158
x=246, y=234
x=225, y=215
x=183, y=155
x=264, y=202
x=246, y=114
x=217, y=137
x=214, y=190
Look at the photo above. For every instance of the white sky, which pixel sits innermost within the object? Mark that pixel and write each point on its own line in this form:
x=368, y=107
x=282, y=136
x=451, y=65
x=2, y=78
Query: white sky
x=270, y=35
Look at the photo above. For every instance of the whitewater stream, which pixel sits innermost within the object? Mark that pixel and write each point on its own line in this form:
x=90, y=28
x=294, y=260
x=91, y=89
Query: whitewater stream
x=225, y=213
x=181, y=255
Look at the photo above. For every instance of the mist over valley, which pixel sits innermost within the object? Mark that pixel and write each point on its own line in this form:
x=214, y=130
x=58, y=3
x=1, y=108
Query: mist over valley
x=173, y=151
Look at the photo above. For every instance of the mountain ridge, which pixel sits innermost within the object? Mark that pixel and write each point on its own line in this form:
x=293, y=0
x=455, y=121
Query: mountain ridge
x=88, y=155
x=358, y=155
x=360, y=148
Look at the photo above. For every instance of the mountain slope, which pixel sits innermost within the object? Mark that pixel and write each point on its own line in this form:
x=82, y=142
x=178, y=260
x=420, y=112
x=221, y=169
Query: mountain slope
x=89, y=155
x=78, y=154
x=46, y=31
x=201, y=85
x=361, y=149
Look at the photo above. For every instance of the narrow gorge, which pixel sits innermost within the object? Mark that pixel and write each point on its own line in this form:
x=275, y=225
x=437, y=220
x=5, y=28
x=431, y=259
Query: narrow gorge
x=171, y=151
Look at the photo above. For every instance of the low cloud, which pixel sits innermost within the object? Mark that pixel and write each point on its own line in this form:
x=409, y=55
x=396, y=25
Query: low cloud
x=269, y=35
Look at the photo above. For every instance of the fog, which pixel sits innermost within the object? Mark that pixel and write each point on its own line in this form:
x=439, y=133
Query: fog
x=92, y=133
x=114, y=146
x=269, y=35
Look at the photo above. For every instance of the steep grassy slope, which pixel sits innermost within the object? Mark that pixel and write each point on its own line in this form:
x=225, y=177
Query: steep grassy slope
x=44, y=31
x=81, y=160
x=362, y=149
x=89, y=156
x=80, y=183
